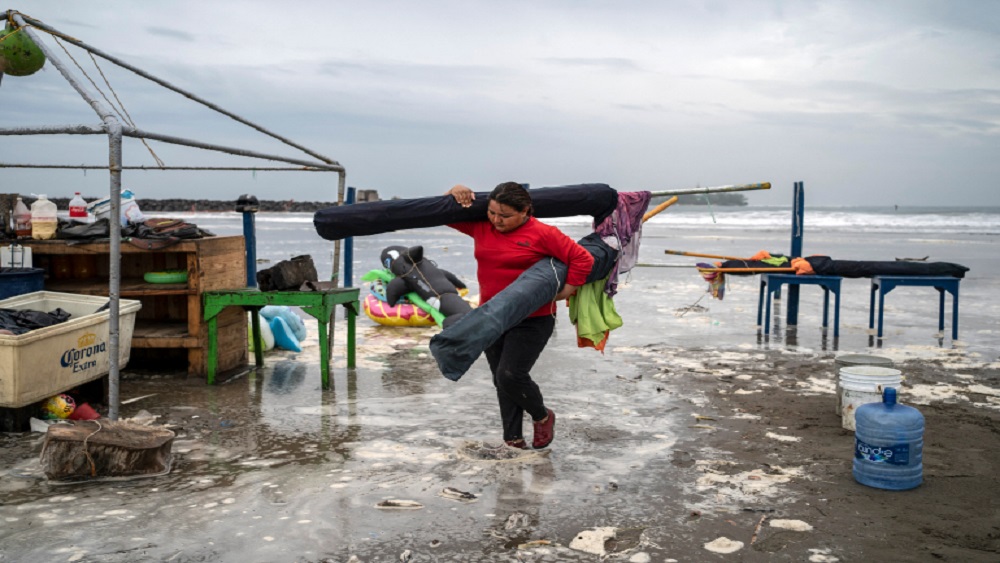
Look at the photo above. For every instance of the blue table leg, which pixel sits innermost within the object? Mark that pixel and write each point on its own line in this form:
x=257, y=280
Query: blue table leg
x=881, y=309
x=826, y=307
x=871, y=306
x=940, y=308
x=792, y=316
x=954, y=313
x=760, y=299
x=767, y=311
x=836, y=314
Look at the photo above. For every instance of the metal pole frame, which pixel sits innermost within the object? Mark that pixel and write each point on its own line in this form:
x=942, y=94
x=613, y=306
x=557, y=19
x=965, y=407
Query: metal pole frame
x=715, y=189
x=115, y=130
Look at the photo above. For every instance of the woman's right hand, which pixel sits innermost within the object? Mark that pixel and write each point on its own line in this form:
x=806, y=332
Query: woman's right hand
x=462, y=194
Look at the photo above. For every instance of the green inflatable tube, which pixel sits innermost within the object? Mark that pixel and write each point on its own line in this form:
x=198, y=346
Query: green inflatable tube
x=386, y=276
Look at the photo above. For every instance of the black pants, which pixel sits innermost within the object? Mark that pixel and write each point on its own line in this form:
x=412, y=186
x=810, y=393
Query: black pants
x=511, y=359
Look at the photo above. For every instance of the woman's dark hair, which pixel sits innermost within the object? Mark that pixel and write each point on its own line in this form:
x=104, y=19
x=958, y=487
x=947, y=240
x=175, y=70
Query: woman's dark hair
x=512, y=194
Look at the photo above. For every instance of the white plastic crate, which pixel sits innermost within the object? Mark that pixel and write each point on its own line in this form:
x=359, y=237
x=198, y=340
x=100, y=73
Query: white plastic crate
x=47, y=361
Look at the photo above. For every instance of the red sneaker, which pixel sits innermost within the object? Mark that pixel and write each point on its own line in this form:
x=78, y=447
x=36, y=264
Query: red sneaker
x=519, y=443
x=544, y=431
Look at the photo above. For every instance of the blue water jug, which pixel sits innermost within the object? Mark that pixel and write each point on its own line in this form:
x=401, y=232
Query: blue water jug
x=889, y=444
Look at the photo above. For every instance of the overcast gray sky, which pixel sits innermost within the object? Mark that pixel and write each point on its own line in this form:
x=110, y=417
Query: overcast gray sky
x=875, y=103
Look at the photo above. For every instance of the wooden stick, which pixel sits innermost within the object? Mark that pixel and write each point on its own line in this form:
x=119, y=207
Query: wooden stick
x=648, y=265
x=747, y=270
x=700, y=255
x=649, y=214
x=753, y=538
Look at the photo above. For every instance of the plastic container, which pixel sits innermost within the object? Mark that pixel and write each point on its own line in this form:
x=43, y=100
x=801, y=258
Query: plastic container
x=44, y=219
x=846, y=360
x=51, y=360
x=22, y=219
x=15, y=256
x=130, y=212
x=889, y=445
x=78, y=209
x=18, y=281
x=862, y=385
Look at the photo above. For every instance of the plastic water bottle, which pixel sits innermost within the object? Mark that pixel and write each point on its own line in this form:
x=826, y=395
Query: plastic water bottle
x=889, y=444
x=44, y=219
x=78, y=209
x=22, y=219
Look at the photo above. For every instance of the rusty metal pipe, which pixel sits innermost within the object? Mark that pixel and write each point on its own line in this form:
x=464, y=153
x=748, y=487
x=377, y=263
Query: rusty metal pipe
x=716, y=189
x=177, y=89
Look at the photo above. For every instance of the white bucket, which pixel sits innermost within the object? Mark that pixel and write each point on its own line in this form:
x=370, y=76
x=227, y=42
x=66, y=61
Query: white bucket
x=845, y=360
x=862, y=385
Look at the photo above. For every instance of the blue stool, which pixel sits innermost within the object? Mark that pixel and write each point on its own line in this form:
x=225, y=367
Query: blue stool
x=940, y=283
x=773, y=283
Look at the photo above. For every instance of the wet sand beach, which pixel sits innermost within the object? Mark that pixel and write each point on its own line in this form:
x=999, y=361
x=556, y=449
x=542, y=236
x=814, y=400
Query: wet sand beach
x=694, y=435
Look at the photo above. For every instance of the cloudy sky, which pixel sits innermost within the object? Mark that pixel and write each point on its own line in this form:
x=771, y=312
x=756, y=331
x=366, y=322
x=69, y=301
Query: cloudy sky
x=868, y=103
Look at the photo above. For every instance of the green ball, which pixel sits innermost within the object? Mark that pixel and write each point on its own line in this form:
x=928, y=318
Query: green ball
x=19, y=56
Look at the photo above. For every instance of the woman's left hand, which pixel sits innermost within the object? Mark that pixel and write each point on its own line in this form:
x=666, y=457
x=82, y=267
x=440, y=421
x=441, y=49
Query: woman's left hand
x=462, y=194
x=566, y=291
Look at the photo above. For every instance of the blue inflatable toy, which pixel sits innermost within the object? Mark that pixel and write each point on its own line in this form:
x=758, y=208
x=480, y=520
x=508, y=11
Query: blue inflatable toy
x=283, y=336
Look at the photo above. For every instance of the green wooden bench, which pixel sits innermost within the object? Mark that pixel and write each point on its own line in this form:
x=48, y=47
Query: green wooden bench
x=319, y=304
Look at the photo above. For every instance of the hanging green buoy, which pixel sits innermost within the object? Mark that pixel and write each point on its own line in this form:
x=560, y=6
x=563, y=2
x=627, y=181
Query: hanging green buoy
x=19, y=56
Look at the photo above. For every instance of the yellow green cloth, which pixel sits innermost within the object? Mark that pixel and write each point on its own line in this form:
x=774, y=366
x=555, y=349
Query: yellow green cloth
x=593, y=312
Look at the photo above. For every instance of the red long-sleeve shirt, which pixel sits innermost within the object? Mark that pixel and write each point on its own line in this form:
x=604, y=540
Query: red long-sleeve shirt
x=501, y=257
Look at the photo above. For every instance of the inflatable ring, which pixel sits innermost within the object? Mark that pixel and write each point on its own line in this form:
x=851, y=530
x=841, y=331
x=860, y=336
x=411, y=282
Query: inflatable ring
x=166, y=276
x=402, y=314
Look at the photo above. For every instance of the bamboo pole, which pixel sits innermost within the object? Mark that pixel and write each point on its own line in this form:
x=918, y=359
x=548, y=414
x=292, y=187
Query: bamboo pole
x=649, y=214
x=647, y=265
x=747, y=270
x=700, y=255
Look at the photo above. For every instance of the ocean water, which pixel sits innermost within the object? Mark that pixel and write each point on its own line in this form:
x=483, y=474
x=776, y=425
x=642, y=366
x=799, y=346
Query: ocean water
x=269, y=465
x=946, y=220
x=980, y=224
x=667, y=300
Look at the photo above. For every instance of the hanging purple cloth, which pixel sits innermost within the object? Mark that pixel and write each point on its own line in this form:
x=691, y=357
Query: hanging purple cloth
x=622, y=231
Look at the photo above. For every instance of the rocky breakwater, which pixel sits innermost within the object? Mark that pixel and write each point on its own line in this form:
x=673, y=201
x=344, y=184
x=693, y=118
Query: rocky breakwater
x=169, y=205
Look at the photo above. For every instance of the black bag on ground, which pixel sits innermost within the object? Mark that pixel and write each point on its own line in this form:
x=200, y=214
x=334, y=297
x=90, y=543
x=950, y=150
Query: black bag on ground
x=287, y=275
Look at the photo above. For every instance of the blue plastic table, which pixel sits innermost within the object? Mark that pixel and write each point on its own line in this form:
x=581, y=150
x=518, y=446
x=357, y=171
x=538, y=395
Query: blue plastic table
x=885, y=284
x=770, y=283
